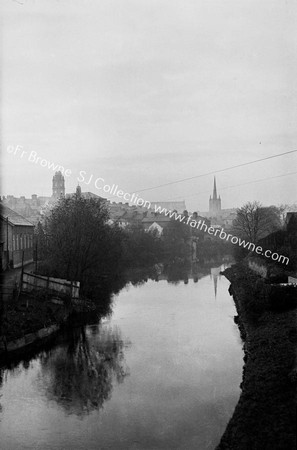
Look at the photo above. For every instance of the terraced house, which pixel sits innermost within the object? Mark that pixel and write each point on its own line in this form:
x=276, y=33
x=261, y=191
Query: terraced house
x=16, y=239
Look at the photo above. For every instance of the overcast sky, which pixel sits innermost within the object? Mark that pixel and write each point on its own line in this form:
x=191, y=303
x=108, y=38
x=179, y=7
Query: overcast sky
x=145, y=92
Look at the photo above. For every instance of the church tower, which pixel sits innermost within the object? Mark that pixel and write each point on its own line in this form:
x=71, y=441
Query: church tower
x=214, y=202
x=58, y=186
x=78, y=191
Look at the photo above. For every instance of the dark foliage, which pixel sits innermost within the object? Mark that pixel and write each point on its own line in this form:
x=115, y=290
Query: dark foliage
x=176, y=239
x=213, y=249
x=80, y=245
x=141, y=248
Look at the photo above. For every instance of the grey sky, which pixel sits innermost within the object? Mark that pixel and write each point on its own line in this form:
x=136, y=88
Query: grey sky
x=144, y=92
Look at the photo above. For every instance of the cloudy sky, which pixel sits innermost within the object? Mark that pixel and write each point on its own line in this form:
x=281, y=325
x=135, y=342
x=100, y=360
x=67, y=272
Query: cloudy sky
x=147, y=92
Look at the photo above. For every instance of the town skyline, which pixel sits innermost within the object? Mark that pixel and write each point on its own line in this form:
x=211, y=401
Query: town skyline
x=150, y=95
x=94, y=183
x=148, y=210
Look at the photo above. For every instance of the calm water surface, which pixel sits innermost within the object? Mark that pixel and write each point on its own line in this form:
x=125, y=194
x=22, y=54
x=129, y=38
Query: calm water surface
x=163, y=372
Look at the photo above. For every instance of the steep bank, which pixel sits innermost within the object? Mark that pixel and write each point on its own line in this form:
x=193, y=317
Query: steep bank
x=265, y=416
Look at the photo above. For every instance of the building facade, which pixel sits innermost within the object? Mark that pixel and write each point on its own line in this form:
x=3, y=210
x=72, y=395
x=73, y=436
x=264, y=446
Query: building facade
x=17, y=239
x=58, y=186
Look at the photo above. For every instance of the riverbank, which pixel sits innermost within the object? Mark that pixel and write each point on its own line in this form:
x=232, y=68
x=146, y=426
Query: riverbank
x=32, y=319
x=265, y=416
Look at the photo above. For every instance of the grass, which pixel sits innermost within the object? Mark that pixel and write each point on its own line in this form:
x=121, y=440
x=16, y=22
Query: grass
x=265, y=416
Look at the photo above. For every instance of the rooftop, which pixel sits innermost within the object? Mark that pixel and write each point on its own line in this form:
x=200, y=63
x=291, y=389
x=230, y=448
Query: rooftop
x=13, y=217
x=171, y=206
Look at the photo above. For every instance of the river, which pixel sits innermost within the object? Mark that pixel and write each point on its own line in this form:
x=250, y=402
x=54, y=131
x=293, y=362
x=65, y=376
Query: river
x=161, y=372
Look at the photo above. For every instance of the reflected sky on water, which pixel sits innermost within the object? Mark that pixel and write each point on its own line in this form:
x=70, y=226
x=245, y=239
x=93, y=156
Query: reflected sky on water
x=162, y=372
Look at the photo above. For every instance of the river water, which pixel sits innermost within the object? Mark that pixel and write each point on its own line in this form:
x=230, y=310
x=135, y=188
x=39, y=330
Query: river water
x=161, y=372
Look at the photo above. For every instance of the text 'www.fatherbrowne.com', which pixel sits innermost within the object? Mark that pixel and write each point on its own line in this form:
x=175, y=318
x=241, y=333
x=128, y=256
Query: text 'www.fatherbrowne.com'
x=219, y=232
x=133, y=198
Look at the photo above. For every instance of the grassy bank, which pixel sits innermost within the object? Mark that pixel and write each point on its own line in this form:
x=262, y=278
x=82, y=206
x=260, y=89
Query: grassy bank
x=30, y=314
x=265, y=416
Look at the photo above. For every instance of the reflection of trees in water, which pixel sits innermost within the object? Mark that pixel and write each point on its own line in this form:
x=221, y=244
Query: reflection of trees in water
x=80, y=377
x=177, y=272
x=182, y=272
x=1, y=382
x=138, y=277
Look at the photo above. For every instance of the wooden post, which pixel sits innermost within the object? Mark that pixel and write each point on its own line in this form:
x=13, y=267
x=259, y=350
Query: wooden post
x=71, y=289
x=36, y=255
x=47, y=287
x=7, y=248
x=22, y=272
x=21, y=280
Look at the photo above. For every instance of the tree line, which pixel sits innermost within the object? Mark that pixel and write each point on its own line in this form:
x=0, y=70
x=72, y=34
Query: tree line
x=78, y=242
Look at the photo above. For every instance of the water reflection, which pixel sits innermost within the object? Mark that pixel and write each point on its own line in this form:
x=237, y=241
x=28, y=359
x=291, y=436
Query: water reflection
x=185, y=362
x=80, y=376
x=1, y=381
x=215, y=274
x=175, y=273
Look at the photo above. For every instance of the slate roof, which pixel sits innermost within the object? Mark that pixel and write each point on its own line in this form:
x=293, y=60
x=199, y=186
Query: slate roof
x=170, y=206
x=86, y=195
x=158, y=218
x=13, y=217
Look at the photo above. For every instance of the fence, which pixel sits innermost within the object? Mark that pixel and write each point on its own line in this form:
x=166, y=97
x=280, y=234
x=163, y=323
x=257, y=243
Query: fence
x=31, y=282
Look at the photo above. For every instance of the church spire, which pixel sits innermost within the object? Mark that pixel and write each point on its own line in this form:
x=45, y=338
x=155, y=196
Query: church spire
x=214, y=196
x=215, y=201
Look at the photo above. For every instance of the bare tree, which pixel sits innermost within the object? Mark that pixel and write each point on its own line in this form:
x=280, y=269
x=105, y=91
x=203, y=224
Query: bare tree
x=253, y=221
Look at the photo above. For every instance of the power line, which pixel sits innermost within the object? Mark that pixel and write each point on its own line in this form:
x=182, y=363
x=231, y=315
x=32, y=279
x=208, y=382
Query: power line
x=215, y=171
x=230, y=187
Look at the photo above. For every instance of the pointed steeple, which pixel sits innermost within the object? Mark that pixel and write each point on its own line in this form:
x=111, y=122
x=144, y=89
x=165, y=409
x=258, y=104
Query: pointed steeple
x=215, y=201
x=215, y=275
x=214, y=196
x=215, y=284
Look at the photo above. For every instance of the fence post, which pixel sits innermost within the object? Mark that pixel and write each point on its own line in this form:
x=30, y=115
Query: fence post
x=7, y=248
x=36, y=255
x=47, y=287
x=22, y=264
x=20, y=287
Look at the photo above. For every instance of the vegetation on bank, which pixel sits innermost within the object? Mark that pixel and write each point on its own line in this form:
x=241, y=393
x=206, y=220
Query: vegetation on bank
x=258, y=294
x=78, y=242
x=29, y=315
x=269, y=228
x=265, y=416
